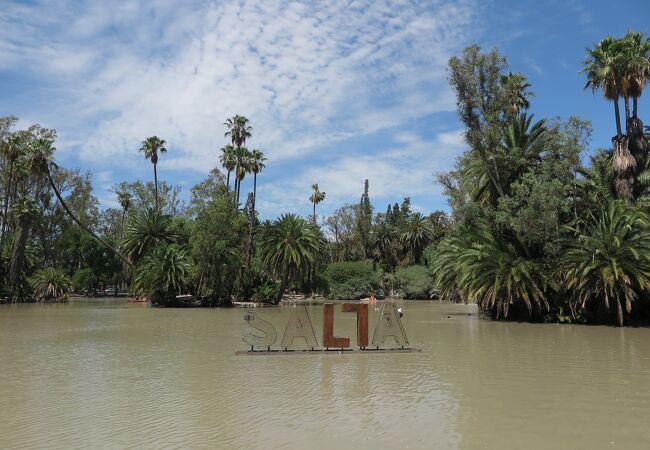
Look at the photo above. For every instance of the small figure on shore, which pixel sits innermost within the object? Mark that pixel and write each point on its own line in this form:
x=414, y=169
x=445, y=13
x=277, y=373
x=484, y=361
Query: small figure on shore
x=400, y=312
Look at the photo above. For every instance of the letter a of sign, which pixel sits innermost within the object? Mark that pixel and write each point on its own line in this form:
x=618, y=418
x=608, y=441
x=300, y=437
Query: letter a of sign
x=389, y=325
x=270, y=335
x=299, y=326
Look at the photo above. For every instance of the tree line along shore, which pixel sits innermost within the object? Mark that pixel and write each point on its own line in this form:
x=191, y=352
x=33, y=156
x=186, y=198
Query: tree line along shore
x=539, y=229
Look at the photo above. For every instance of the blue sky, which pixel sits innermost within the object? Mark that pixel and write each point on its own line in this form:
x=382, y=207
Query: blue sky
x=336, y=91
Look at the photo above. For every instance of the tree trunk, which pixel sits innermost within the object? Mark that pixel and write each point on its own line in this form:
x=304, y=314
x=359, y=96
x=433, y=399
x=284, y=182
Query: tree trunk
x=314, y=214
x=285, y=277
x=5, y=211
x=618, y=118
x=155, y=182
x=122, y=232
x=81, y=225
x=634, y=102
x=627, y=114
x=251, y=231
x=228, y=182
x=18, y=253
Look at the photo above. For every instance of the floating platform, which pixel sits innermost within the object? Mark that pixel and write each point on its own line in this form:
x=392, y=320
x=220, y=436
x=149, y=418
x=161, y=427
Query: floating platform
x=329, y=351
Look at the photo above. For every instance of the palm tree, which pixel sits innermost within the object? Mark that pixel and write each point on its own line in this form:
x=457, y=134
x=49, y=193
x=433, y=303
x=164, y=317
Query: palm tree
x=11, y=151
x=23, y=211
x=635, y=65
x=290, y=249
x=242, y=157
x=151, y=147
x=41, y=151
x=51, y=285
x=603, y=68
x=256, y=165
x=609, y=260
x=227, y=159
x=239, y=130
x=163, y=274
x=417, y=233
x=517, y=86
x=316, y=197
x=147, y=230
x=126, y=200
x=471, y=265
x=382, y=241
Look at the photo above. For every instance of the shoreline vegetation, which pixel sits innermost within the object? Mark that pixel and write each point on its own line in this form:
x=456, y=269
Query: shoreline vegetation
x=534, y=232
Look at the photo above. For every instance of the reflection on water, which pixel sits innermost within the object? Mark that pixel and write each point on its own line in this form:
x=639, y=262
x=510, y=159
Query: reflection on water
x=112, y=375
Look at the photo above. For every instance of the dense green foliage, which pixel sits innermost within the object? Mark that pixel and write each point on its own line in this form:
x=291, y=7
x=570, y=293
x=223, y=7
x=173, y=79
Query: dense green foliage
x=415, y=282
x=538, y=233
x=351, y=280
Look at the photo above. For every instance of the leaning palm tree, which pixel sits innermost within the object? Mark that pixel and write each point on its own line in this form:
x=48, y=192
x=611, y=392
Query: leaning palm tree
x=416, y=235
x=227, y=159
x=315, y=198
x=40, y=161
x=290, y=249
x=151, y=147
x=608, y=261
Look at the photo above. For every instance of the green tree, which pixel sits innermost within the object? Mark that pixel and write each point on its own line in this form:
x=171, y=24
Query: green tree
x=163, y=274
x=151, y=147
x=51, y=285
x=416, y=235
x=126, y=200
x=227, y=160
x=290, y=248
x=608, y=261
x=146, y=230
x=364, y=220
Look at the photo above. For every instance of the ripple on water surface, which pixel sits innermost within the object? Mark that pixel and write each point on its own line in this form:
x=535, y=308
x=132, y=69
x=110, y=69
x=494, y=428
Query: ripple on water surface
x=112, y=375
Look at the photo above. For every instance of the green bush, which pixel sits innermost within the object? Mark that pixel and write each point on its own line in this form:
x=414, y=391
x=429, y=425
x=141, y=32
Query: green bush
x=415, y=282
x=351, y=280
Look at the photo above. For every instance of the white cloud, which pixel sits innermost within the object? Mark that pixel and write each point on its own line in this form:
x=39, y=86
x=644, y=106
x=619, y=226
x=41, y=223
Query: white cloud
x=404, y=169
x=309, y=75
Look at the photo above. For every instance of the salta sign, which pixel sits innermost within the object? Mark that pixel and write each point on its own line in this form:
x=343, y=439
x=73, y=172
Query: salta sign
x=299, y=330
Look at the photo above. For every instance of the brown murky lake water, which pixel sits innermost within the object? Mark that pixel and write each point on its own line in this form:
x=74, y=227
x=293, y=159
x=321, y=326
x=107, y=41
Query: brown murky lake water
x=106, y=374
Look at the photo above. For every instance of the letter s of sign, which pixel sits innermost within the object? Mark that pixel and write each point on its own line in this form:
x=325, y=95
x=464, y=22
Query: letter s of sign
x=270, y=335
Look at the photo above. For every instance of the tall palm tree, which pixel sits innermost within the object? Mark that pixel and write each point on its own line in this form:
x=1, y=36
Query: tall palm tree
x=636, y=65
x=11, y=151
x=239, y=130
x=151, y=147
x=603, y=67
x=126, y=200
x=24, y=210
x=227, y=159
x=316, y=197
x=256, y=165
x=416, y=235
x=242, y=158
x=609, y=260
x=290, y=249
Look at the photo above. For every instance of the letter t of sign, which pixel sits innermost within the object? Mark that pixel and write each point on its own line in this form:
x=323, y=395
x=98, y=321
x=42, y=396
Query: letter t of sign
x=362, y=321
x=329, y=340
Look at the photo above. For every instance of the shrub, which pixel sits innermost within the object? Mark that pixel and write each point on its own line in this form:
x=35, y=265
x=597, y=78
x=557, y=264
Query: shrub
x=415, y=282
x=351, y=280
